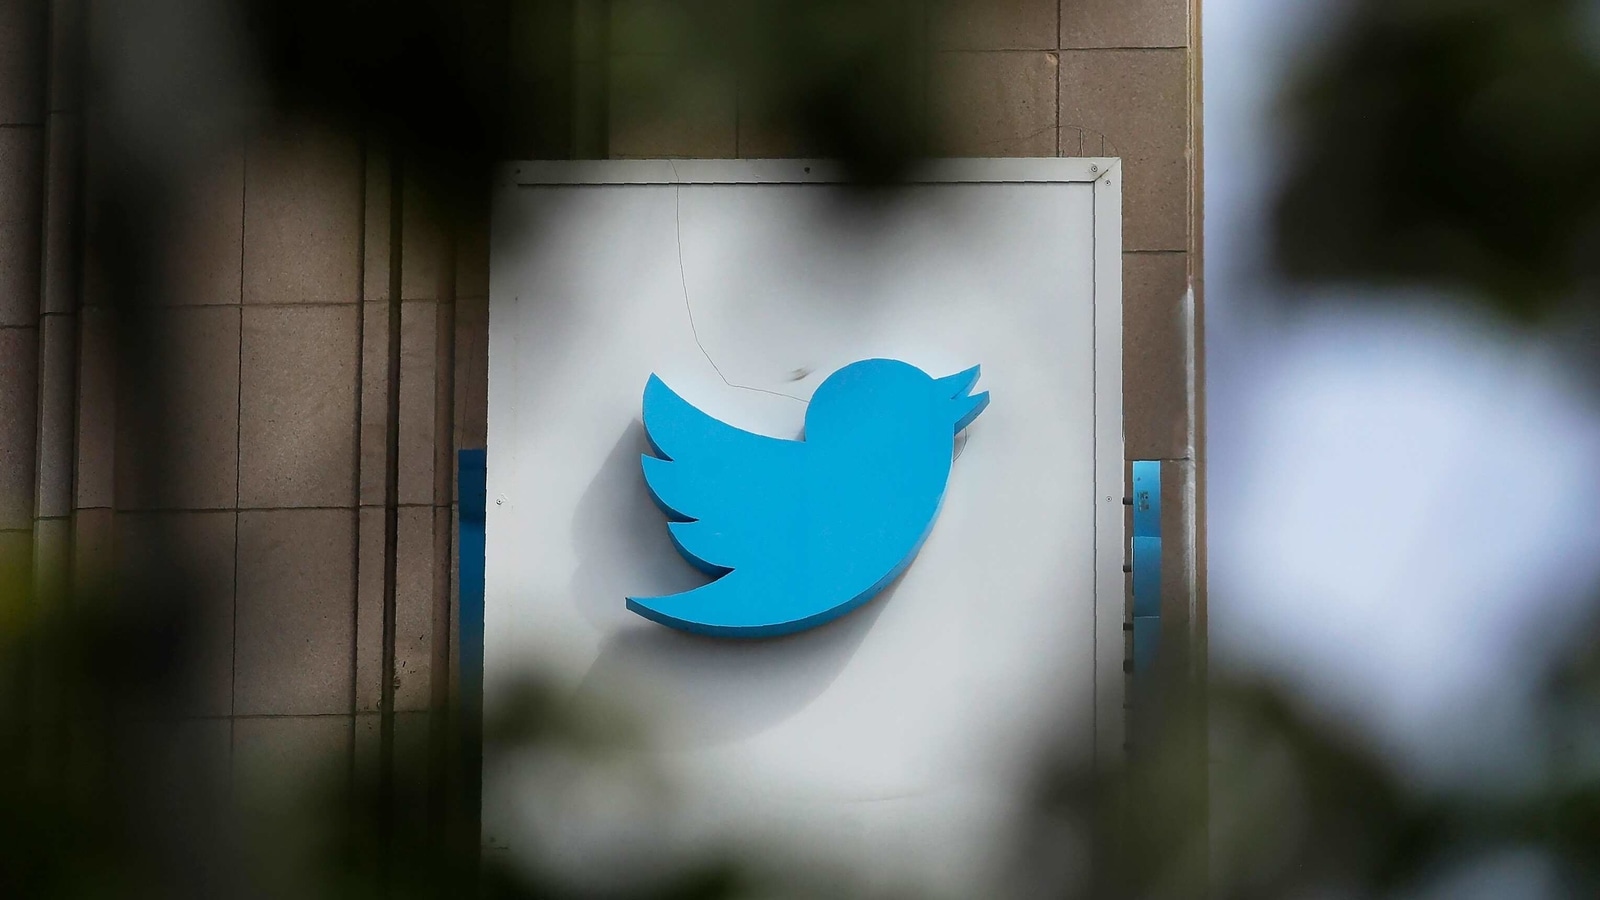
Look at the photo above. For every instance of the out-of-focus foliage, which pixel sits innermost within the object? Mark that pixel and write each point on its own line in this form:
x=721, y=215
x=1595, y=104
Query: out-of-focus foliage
x=105, y=791
x=1299, y=807
x=825, y=78
x=102, y=797
x=96, y=803
x=464, y=83
x=1453, y=143
x=1449, y=142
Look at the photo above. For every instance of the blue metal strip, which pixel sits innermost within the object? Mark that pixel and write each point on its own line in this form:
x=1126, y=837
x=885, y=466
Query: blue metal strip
x=472, y=482
x=1146, y=563
x=1147, y=498
x=1146, y=576
x=1146, y=642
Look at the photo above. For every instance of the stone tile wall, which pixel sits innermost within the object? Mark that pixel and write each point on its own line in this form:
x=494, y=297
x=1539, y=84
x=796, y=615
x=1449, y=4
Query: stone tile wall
x=324, y=377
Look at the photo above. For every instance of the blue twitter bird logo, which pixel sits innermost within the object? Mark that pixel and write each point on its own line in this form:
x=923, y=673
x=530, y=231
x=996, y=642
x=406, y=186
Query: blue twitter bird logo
x=802, y=532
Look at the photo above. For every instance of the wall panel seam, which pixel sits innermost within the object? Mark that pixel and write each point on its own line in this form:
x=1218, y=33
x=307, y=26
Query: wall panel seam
x=1153, y=48
x=259, y=304
x=356, y=482
x=391, y=493
x=238, y=469
x=973, y=51
x=1125, y=48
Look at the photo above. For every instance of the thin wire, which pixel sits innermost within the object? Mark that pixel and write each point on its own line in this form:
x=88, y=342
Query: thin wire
x=683, y=281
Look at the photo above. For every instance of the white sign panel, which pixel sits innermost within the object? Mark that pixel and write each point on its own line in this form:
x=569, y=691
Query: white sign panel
x=898, y=731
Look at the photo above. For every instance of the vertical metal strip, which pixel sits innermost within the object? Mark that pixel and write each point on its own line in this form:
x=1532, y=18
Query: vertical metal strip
x=1146, y=564
x=391, y=517
x=1110, y=468
x=444, y=447
x=472, y=485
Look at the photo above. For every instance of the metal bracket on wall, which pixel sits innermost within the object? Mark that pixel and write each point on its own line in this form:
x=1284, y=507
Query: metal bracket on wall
x=1146, y=564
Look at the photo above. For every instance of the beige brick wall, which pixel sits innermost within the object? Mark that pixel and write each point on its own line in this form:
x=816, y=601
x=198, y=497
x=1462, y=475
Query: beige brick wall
x=305, y=345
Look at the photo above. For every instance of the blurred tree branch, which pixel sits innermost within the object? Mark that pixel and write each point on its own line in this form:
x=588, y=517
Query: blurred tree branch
x=1450, y=142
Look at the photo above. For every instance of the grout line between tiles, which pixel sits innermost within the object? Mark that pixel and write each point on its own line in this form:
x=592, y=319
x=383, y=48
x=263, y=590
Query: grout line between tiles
x=238, y=468
x=1116, y=49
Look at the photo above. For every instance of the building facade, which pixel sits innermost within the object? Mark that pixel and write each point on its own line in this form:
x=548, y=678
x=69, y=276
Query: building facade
x=325, y=330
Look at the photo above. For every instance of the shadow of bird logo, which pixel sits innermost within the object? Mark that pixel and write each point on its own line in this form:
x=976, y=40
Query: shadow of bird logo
x=801, y=532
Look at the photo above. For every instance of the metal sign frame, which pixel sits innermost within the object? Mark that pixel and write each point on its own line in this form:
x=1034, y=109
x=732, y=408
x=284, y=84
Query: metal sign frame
x=1104, y=176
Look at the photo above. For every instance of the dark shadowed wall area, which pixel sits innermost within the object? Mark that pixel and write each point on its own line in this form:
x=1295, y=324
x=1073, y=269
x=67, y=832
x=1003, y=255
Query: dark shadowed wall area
x=315, y=452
